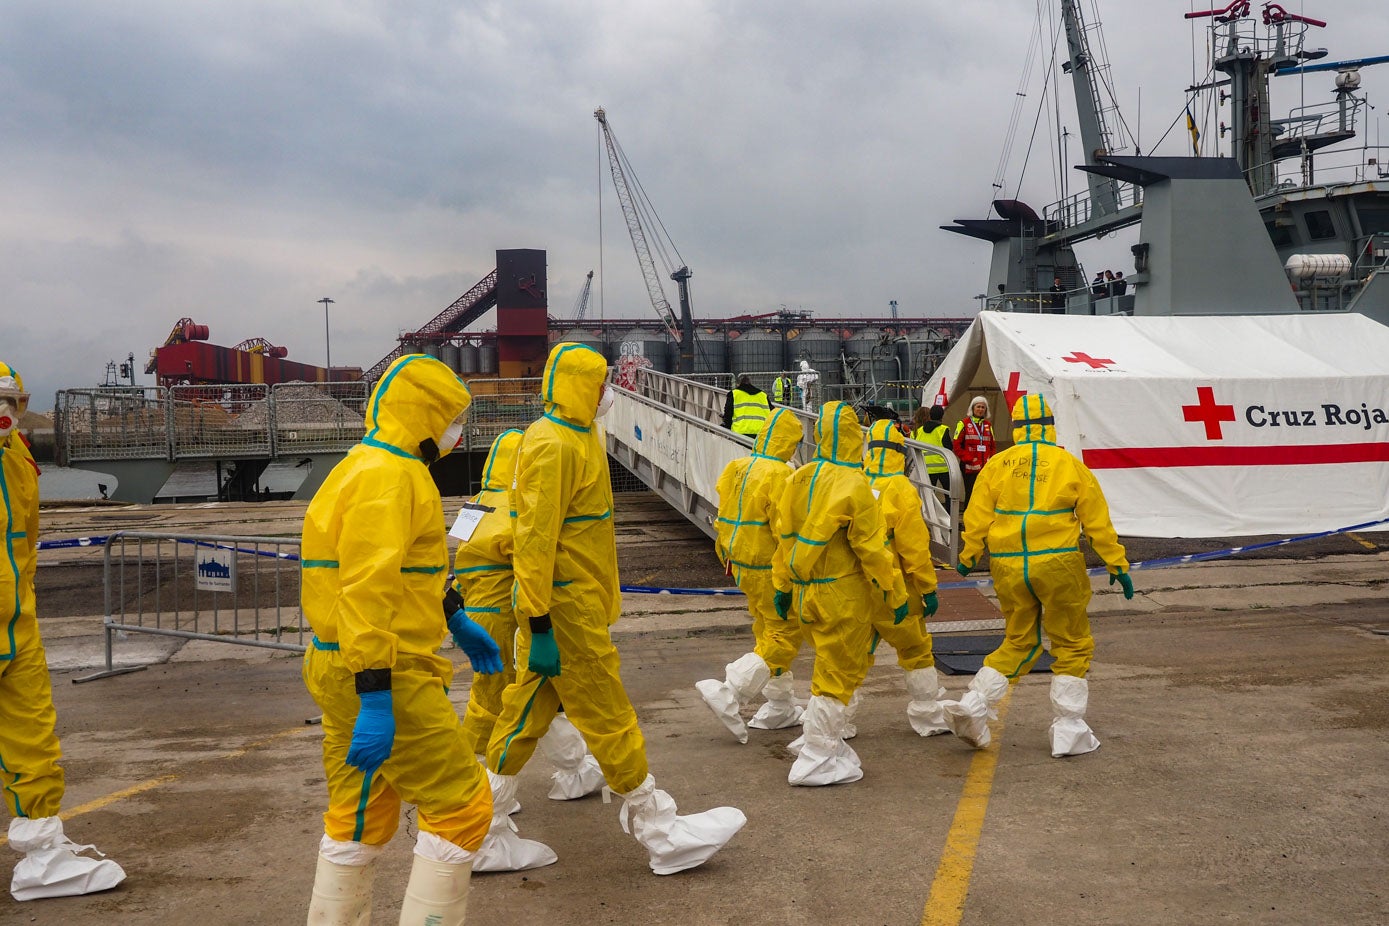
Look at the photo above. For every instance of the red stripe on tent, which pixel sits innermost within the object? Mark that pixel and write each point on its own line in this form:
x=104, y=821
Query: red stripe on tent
x=1140, y=457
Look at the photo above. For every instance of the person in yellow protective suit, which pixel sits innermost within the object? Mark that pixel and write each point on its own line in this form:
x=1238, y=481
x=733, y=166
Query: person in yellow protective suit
x=375, y=557
x=482, y=580
x=832, y=563
x=747, y=530
x=910, y=541
x=1029, y=506
x=31, y=780
x=565, y=597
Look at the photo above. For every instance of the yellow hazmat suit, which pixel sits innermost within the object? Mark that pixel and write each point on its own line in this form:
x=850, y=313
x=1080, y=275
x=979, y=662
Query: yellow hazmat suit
x=750, y=489
x=1029, y=505
x=908, y=538
x=565, y=563
x=746, y=534
x=833, y=554
x=482, y=575
x=374, y=564
x=31, y=778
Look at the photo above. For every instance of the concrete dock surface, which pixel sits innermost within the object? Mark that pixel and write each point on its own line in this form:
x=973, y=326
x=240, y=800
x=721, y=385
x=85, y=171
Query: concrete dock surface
x=1242, y=706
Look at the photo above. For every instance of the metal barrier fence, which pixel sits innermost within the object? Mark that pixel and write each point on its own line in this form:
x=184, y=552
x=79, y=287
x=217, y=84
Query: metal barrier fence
x=216, y=587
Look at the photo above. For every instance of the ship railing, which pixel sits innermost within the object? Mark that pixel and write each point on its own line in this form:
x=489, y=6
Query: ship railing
x=306, y=418
x=1077, y=301
x=218, y=588
x=122, y=423
x=207, y=422
x=1333, y=166
x=1078, y=208
x=1248, y=36
x=514, y=404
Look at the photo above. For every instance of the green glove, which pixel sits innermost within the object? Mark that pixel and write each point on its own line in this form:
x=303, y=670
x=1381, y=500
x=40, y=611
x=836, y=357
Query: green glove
x=1123, y=579
x=782, y=602
x=544, y=655
x=899, y=613
x=930, y=602
x=963, y=568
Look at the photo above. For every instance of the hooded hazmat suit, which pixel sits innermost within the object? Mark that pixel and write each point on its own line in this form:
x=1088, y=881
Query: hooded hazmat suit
x=746, y=533
x=375, y=557
x=909, y=539
x=565, y=564
x=31, y=780
x=833, y=559
x=1029, y=506
x=483, y=577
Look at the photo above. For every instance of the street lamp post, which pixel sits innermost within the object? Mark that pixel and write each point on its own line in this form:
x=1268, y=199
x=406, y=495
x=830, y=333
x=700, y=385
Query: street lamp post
x=327, y=341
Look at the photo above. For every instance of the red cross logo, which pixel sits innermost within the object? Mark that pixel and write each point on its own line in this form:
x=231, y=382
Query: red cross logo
x=1014, y=391
x=1205, y=410
x=1096, y=363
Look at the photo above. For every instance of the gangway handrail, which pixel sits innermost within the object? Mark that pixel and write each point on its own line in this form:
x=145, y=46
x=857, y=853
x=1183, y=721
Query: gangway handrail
x=700, y=406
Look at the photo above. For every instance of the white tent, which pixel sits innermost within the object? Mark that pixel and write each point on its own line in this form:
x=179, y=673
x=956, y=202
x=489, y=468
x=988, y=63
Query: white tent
x=1208, y=426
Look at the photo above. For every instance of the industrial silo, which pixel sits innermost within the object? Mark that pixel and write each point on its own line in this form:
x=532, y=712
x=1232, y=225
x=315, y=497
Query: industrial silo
x=821, y=347
x=468, y=359
x=585, y=336
x=875, y=358
x=487, y=358
x=921, y=351
x=755, y=350
x=710, y=351
x=449, y=354
x=653, y=345
x=434, y=349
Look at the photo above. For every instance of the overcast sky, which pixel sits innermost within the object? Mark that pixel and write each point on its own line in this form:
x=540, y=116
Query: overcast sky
x=237, y=161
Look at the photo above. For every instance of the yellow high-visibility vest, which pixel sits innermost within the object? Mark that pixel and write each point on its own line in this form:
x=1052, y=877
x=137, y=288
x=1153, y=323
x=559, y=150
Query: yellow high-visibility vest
x=750, y=412
x=936, y=435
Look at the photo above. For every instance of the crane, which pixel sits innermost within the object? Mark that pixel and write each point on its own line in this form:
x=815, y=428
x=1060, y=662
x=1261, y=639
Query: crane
x=581, y=306
x=635, y=205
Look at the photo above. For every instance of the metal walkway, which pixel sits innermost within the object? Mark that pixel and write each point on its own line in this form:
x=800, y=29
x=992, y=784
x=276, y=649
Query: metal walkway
x=667, y=430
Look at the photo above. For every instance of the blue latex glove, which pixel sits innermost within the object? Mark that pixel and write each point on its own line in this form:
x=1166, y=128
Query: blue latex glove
x=476, y=643
x=782, y=602
x=963, y=568
x=930, y=602
x=1123, y=579
x=374, y=733
x=544, y=654
x=899, y=613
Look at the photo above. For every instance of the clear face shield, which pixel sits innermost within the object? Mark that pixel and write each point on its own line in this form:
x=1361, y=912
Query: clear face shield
x=605, y=396
x=453, y=434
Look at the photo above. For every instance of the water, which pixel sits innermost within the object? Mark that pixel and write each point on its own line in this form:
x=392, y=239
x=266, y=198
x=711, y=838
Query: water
x=189, y=480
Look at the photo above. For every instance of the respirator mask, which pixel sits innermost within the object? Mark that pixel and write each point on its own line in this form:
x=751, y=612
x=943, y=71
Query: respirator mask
x=13, y=403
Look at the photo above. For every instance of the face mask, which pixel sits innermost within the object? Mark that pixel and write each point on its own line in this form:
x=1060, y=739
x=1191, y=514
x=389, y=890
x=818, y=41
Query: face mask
x=453, y=435
x=9, y=418
x=605, y=403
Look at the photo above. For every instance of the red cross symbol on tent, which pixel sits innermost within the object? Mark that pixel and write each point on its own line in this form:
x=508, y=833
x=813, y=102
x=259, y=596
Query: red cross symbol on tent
x=1013, y=391
x=1096, y=363
x=1208, y=412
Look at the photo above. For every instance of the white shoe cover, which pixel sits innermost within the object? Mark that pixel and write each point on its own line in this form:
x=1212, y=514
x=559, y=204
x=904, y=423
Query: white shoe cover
x=824, y=757
x=502, y=849
x=437, y=892
x=1070, y=734
x=781, y=709
x=52, y=867
x=850, y=712
x=720, y=698
x=577, y=773
x=674, y=842
x=924, y=710
x=968, y=718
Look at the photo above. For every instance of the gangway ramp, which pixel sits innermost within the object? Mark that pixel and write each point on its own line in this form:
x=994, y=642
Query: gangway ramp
x=667, y=431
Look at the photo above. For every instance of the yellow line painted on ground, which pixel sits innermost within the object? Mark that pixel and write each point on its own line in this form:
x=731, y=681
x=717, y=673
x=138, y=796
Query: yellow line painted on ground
x=946, y=903
x=143, y=786
x=1362, y=541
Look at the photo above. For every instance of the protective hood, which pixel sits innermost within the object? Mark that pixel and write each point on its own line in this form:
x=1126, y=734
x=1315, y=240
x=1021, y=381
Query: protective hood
x=838, y=435
x=417, y=399
x=1032, y=421
x=780, y=436
x=501, y=461
x=887, y=451
x=12, y=387
x=573, y=378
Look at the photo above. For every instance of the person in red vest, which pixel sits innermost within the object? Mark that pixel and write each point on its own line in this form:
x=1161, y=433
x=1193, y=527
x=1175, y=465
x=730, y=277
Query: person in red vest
x=974, y=443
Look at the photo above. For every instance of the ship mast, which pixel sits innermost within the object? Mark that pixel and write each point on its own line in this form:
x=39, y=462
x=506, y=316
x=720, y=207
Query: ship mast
x=1094, y=134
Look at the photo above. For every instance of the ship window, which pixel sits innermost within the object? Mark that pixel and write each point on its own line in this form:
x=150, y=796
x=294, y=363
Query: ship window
x=1374, y=221
x=1319, y=226
x=1281, y=236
